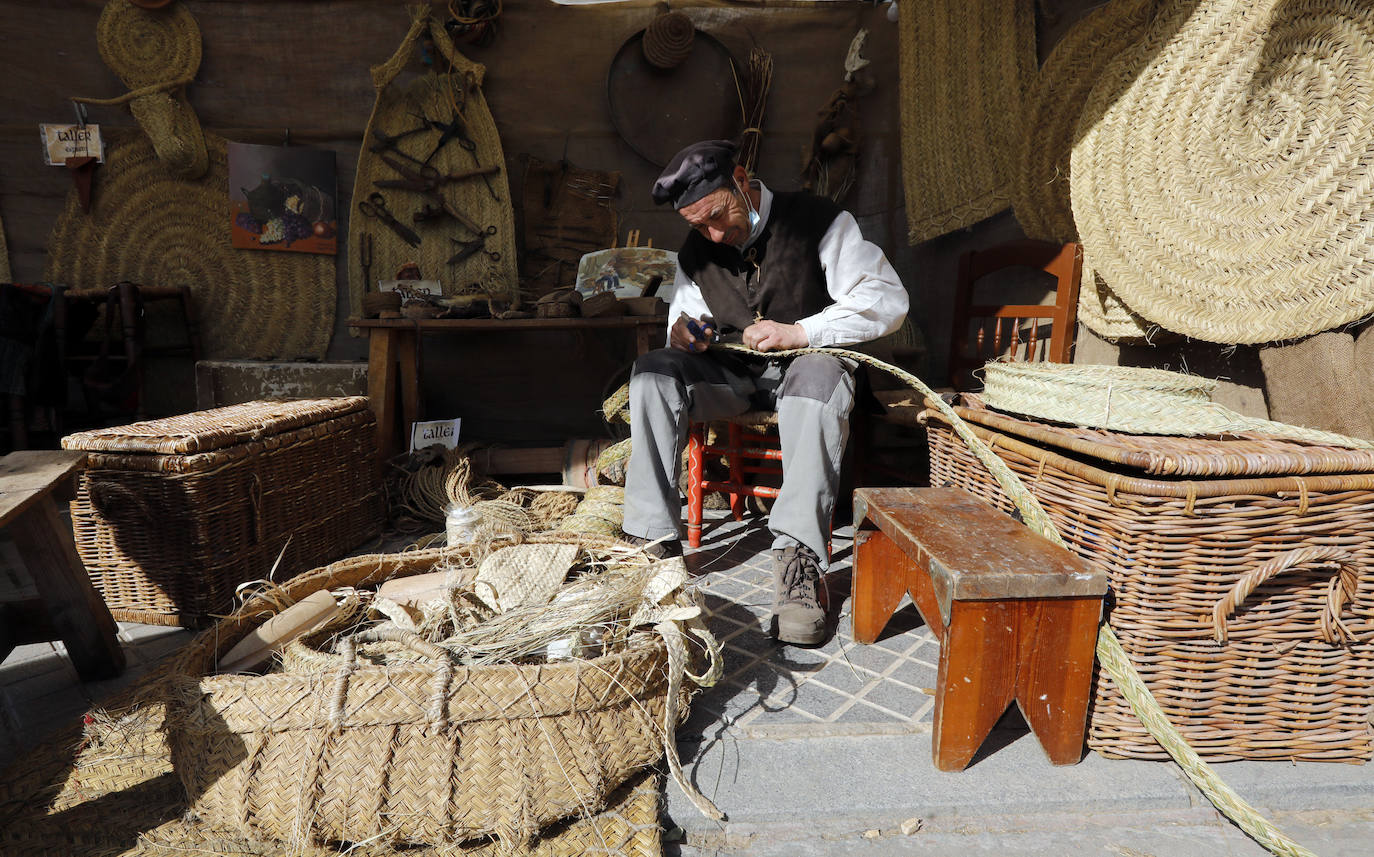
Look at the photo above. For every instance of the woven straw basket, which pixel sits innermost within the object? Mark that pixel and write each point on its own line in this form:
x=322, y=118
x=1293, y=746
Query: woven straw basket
x=423, y=752
x=1239, y=573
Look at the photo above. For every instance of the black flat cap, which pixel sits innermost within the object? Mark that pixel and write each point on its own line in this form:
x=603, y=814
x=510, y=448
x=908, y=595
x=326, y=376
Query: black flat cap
x=694, y=172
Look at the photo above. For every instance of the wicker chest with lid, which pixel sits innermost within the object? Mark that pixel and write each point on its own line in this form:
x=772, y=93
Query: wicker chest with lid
x=171, y=515
x=1241, y=571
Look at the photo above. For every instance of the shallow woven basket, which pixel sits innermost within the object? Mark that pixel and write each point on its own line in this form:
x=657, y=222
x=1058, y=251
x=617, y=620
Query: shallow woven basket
x=1244, y=600
x=1223, y=179
x=427, y=753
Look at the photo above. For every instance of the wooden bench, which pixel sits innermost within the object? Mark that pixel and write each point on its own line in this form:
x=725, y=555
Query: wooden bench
x=1016, y=615
x=68, y=607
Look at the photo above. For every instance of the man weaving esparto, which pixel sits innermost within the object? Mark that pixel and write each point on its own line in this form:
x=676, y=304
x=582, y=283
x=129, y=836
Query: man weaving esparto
x=775, y=271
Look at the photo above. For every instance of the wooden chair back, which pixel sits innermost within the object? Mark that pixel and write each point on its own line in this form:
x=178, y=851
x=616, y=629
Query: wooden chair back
x=987, y=330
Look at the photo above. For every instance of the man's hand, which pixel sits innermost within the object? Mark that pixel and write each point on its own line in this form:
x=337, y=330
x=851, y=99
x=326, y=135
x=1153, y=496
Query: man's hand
x=689, y=334
x=775, y=336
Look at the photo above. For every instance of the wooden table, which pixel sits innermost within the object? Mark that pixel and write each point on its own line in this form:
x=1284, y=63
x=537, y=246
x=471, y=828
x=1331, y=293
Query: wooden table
x=393, y=358
x=68, y=607
x=1016, y=614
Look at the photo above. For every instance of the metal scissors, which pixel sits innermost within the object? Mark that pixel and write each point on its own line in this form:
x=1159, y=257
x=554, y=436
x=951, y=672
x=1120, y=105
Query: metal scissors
x=375, y=206
x=469, y=248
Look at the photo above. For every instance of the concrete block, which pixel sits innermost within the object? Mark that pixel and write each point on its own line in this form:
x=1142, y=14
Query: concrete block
x=230, y=382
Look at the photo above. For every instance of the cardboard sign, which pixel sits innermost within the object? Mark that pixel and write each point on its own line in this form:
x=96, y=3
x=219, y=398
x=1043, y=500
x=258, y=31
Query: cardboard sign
x=420, y=288
x=61, y=142
x=441, y=432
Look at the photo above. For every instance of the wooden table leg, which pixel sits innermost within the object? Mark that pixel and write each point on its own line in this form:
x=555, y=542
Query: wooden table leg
x=381, y=387
x=408, y=361
x=78, y=614
x=879, y=582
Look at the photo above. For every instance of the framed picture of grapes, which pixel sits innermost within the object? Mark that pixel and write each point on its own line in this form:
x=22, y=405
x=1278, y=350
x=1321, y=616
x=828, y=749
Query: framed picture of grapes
x=282, y=198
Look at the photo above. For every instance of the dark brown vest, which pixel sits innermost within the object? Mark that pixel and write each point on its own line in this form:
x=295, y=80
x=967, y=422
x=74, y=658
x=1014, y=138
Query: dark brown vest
x=778, y=278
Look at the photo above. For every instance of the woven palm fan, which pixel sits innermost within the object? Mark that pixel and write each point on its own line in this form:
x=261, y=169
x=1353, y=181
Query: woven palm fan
x=1041, y=190
x=484, y=201
x=965, y=68
x=148, y=226
x=1223, y=183
x=156, y=52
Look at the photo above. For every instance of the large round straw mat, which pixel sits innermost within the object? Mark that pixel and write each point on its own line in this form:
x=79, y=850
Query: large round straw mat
x=1055, y=104
x=486, y=203
x=147, y=226
x=965, y=69
x=157, y=49
x=1224, y=176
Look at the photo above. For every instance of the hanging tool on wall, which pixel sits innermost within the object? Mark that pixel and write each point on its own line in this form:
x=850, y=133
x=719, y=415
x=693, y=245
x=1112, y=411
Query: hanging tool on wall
x=470, y=248
x=375, y=206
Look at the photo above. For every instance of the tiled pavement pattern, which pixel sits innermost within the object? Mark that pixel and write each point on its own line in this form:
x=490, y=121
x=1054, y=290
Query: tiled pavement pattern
x=770, y=690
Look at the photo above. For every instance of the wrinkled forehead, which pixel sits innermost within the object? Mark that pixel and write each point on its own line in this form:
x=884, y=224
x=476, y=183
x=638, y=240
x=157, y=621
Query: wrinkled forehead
x=704, y=208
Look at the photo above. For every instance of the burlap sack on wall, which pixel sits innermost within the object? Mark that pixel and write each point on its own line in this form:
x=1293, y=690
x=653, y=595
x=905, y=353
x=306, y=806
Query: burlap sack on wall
x=148, y=226
x=1223, y=182
x=1322, y=382
x=965, y=70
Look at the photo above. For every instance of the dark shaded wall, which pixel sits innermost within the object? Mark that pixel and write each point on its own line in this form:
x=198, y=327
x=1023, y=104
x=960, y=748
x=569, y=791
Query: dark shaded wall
x=303, y=65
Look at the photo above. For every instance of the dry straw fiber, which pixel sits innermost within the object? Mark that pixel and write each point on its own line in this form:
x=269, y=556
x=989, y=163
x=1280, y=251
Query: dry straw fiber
x=1224, y=175
x=965, y=71
x=148, y=226
x=484, y=201
x=1053, y=110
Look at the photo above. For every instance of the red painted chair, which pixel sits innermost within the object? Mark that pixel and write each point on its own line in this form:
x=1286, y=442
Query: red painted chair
x=747, y=451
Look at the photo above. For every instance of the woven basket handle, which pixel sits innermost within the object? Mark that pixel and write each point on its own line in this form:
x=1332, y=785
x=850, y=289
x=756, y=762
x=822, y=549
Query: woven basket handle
x=437, y=700
x=1341, y=589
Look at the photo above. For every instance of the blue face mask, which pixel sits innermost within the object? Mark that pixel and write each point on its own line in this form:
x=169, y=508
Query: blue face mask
x=753, y=212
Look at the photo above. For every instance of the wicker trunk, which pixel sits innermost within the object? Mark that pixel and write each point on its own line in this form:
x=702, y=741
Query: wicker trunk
x=1239, y=571
x=172, y=514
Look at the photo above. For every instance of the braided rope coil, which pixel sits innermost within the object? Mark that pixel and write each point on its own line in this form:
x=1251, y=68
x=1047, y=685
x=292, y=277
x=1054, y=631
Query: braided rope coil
x=668, y=40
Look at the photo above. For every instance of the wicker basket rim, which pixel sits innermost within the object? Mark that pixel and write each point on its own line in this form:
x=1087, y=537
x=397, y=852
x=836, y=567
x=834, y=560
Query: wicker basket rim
x=1175, y=489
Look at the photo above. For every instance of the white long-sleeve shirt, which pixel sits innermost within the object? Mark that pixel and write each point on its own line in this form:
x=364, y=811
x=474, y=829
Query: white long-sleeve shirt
x=869, y=299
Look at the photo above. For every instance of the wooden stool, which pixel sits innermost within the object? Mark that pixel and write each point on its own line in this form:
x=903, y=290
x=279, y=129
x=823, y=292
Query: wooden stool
x=68, y=607
x=1016, y=615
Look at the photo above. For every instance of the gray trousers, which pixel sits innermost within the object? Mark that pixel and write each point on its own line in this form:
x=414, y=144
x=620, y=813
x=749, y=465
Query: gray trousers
x=813, y=395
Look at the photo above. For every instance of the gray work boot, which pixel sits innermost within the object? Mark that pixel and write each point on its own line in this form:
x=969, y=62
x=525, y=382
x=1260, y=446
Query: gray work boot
x=798, y=615
x=665, y=549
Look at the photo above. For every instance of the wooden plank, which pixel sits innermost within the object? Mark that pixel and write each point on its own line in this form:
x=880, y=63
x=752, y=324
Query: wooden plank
x=29, y=475
x=977, y=552
x=78, y=614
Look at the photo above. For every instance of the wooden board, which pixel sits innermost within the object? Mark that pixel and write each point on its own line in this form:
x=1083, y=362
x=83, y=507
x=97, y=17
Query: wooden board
x=29, y=475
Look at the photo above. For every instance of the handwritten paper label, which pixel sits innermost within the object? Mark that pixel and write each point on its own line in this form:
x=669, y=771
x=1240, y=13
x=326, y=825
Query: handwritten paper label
x=61, y=142
x=441, y=432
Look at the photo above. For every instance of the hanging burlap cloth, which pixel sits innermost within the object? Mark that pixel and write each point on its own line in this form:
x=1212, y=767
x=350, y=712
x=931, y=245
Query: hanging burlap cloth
x=435, y=95
x=148, y=226
x=156, y=52
x=965, y=69
x=1224, y=175
x=1322, y=381
x=1041, y=189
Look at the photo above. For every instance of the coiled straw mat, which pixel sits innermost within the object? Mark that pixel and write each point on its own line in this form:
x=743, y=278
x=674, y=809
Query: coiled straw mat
x=1041, y=190
x=484, y=201
x=965, y=69
x=148, y=226
x=156, y=52
x=1223, y=183
x=1130, y=399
